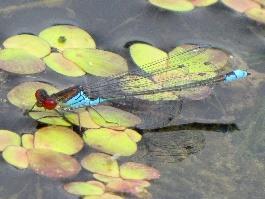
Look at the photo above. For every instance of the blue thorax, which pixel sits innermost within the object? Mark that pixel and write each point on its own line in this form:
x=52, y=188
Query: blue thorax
x=81, y=100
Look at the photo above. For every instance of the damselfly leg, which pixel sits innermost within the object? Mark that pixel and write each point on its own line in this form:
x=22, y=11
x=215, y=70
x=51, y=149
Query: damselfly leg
x=106, y=121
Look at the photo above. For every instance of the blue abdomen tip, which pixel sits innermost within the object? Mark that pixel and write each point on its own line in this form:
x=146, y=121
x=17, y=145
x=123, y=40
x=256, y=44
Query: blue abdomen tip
x=235, y=75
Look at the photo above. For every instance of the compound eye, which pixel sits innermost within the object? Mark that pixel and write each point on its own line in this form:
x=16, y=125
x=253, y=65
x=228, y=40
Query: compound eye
x=49, y=103
x=41, y=95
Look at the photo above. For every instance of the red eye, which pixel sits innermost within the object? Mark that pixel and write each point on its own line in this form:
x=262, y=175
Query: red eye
x=49, y=103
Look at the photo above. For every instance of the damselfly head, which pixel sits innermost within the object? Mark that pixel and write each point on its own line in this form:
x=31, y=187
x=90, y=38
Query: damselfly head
x=44, y=100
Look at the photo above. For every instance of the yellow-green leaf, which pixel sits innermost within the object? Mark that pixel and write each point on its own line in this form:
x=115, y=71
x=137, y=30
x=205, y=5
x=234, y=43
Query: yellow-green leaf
x=107, y=116
x=62, y=65
x=49, y=117
x=241, y=5
x=19, y=61
x=137, y=171
x=85, y=119
x=97, y=62
x=29, y=43
x=110, y=141
x=85, y=188
x=257, y=14
x=16, y=156
x=8, y=138
x=23, y=95
x=202, y=3
x=101, y=163
x=173, y=5
x=67, y=36
x=27, y=141
x=52, y=164
x=147, y=57
x=60, y=139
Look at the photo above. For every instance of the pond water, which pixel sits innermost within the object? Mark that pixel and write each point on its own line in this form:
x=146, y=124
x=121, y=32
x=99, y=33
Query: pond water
x=215, y=148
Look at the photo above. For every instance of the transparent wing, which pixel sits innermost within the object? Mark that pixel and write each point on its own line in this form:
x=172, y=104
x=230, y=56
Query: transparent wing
x=186, y=69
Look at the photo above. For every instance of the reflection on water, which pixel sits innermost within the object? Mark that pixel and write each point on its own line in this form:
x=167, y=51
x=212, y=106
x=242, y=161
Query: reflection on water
x=175, y=143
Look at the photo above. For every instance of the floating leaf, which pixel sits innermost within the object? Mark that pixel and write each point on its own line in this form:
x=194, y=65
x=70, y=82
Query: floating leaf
x=134, y=187
x=27, y=141
x=110, y=141
x=28, y=43
x=137, y=171
x=134, y=135
x=262, y=2
x=49, y=117
x=8, y=138
x=217, y=57
x=85, y=188
x=97, y=62
x=104, y=196
x=241, y=5
x=23, y=95
x=108, y=116
x=57, y=138
x=173, y=5
x=20, y=62
x=257, y=14
x=67, y=36
x=202, y=3
x=52, y=164
x=16, y=156
x=101, y=163
x=62, y=65
x=85, y=119
x=104, y=178
x=147, y=57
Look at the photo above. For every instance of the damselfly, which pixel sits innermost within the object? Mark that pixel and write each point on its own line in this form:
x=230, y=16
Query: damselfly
x=176, y=78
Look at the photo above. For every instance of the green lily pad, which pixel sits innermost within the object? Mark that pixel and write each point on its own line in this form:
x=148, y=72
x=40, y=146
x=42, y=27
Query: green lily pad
x=107, y=116
x=84, y=188
x=241, y=5
x=85, y=120
x=57, y=138
x=104, y=196
x=104, y=178
x=27, y=141
x=52, y=164
x=110, y=141
x=134, y=187
x=29, y=43
x=23, y=95
x=257, y=14
x=134, y=135
x=173, y=5
x=20, y=62
x=97, y=62
x=137, y=171
x=8, y=138
x=147, y=57
x=49, y=117
x=16, y=156
x=202, y=3
x=58, y=63
x=67, y=36
x=101, y=163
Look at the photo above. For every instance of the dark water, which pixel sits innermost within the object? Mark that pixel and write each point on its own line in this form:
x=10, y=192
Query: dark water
x=223, y=159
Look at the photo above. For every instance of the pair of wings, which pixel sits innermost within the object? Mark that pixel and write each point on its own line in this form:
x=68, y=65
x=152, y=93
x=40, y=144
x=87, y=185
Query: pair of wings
x=186, y=69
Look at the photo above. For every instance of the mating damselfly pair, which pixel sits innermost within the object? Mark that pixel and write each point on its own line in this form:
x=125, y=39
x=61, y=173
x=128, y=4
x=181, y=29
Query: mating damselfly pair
x=176, y=75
